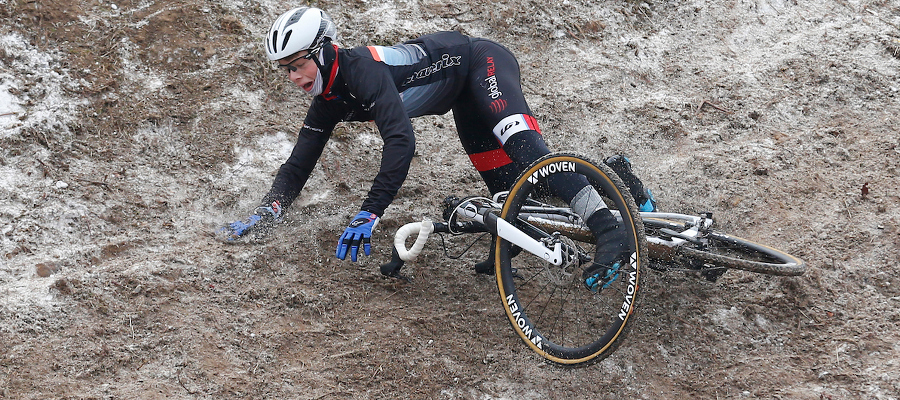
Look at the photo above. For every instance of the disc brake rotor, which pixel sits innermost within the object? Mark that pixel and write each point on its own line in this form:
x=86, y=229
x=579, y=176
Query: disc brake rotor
x=561, y=275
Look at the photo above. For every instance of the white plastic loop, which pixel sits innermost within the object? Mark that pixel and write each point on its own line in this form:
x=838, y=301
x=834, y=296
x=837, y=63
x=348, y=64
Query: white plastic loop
x=423, y=228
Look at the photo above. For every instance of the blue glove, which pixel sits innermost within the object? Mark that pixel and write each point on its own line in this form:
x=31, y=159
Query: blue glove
x=359, y=231
x=260, y=222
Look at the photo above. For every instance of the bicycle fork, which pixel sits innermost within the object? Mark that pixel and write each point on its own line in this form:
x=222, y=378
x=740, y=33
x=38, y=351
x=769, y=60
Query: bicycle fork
x=510, y=233
x=484, y=218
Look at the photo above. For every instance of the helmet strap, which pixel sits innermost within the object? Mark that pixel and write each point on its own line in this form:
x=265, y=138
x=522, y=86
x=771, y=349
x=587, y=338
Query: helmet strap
x=325, y=56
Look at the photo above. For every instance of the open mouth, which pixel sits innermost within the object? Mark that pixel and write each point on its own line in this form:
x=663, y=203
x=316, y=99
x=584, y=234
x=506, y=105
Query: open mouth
x=307, y=87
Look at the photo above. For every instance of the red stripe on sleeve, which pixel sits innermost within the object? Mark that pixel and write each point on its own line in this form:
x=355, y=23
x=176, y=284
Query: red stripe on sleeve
x=374, y=53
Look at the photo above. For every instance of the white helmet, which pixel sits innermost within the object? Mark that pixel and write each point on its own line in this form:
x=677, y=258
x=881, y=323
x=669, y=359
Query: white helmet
x=303, y=28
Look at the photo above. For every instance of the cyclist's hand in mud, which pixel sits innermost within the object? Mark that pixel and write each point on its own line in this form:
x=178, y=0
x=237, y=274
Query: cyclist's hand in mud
x=259, y=223
x=359, y=232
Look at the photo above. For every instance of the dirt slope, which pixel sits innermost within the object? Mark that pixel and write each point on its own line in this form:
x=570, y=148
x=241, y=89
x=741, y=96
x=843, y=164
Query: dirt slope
x=130, y=130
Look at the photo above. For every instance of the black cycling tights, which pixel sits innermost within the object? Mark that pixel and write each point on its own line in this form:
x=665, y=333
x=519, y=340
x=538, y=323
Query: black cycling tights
x=496, y=126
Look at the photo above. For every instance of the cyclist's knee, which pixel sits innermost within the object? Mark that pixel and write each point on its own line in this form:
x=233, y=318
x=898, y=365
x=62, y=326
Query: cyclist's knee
x=525, y=147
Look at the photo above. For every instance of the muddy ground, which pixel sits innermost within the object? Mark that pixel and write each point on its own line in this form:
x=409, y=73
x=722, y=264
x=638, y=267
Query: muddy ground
x=130, y=130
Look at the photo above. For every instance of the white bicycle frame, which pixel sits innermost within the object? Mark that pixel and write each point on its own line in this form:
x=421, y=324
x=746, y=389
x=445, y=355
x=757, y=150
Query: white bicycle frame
x=695, y=225
x=482, y=215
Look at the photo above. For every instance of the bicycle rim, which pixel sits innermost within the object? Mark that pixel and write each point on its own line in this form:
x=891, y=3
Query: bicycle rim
x=722, y=250
x=552, y=310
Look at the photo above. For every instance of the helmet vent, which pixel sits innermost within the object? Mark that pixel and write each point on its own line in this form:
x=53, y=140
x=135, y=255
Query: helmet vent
x=274, y=40
x=296, y=17
x=287, y=37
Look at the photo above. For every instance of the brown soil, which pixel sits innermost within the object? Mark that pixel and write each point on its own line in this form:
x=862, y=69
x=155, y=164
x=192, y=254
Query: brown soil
x=131, y=130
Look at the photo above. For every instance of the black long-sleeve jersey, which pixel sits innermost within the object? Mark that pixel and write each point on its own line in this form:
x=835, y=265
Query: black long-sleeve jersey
x=387, y=85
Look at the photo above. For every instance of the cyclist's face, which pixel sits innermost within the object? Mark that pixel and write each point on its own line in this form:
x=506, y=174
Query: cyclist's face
x=300, y=70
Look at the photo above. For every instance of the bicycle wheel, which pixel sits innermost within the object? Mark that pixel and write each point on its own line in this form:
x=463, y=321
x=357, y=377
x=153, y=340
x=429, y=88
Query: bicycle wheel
x=717, y=250
x=549, y=306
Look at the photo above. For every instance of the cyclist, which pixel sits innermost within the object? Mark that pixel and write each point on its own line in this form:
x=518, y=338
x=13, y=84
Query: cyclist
x=475, y=78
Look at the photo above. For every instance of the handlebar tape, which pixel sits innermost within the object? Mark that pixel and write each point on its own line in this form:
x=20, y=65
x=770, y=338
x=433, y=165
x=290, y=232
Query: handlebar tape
x=423, y=228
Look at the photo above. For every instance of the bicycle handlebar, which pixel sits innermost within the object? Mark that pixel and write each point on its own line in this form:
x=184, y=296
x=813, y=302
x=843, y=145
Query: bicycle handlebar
x=423, y=229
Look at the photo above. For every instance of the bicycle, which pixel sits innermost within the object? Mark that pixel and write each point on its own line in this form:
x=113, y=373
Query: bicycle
x=542, y=246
